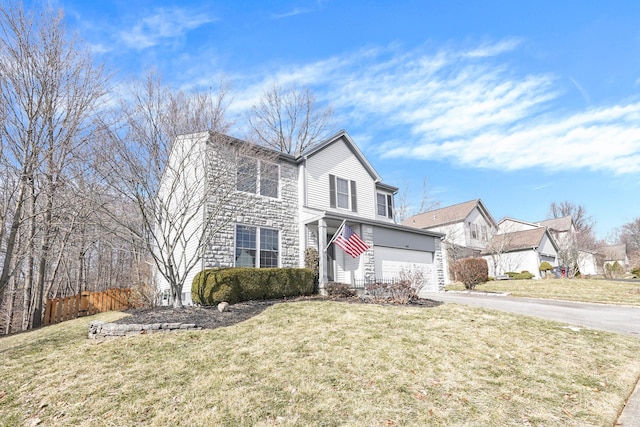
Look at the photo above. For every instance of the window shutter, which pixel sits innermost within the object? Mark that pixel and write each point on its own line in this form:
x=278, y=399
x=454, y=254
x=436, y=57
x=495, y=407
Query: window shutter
x=332, y=191
x=389, y=206
x=354, y=204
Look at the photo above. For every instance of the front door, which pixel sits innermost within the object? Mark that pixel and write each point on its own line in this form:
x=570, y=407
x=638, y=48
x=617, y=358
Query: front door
x=331, y=261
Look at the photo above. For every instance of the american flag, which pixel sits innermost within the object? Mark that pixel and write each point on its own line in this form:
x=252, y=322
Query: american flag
x=350, y=242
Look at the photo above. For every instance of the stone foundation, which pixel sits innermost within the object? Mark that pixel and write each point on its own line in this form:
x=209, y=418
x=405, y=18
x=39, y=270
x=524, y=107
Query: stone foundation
x=99, y=329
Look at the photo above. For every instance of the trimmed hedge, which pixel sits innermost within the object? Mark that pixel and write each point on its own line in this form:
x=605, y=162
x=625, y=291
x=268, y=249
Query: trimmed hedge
x=233, y=285
x=523, y=275
x=545, y=266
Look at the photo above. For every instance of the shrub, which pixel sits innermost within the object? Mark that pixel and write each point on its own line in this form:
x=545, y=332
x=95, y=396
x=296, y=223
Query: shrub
x=545, y=266
x=414, y=277
x=512, y=274
x=340, y=290
x=525, y=275
x=472, y=271
x=233, y=285
x=400, y=292
x=312, y=262
x=613, y=271
x=636, y=272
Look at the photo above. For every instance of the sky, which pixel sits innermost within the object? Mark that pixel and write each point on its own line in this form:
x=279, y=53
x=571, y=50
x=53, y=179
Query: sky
x=517, y=103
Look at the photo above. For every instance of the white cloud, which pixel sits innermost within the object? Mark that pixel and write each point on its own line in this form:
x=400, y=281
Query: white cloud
x=472, y=109
x=492, y=49
x=465, y=106
x=294, y=12
x=163, y=24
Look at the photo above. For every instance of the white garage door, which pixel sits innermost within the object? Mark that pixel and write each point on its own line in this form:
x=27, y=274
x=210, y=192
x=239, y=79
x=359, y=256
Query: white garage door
x=390, y=262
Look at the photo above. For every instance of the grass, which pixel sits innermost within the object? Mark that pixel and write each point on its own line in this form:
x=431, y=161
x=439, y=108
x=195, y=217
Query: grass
x=323, y=364
x=585, y=290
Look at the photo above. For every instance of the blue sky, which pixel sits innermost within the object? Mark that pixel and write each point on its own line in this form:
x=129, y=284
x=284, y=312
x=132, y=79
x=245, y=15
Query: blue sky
x=517, y=103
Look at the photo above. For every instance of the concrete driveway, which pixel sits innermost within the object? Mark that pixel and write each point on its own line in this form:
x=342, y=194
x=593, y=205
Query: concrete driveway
x=615, y=318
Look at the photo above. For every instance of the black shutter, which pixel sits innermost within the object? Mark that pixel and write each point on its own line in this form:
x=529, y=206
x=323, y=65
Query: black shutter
x=332, y=191
x=354, y=204
x=389, y=206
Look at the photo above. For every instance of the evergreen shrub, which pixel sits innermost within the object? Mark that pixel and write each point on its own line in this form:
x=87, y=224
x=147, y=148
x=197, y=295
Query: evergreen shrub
x=233, y=285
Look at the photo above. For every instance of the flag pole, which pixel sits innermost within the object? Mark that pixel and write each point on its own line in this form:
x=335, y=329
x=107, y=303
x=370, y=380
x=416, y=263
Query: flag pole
x=335, y=234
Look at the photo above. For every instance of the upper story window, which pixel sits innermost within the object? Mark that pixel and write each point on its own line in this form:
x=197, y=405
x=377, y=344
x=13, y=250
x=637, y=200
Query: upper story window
x=342, y=193
x=258, y=176
x=473, y=231
x=269, y=179
x=385, y=205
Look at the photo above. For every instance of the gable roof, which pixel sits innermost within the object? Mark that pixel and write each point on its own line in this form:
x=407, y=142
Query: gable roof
x=344, y=136
x=448, y=215
x=509, y=219
x=520, y=240
x=613, y=252
x=558, y=224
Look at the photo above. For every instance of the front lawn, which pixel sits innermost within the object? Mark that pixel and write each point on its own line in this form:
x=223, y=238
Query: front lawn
x=324, y=364
x=586, y=290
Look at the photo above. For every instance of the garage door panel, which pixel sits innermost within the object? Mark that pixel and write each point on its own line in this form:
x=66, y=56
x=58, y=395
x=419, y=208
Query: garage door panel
x=390, y=262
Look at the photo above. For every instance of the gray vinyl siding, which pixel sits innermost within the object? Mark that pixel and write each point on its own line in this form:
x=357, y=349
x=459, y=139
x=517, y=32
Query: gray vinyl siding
x=402, y=240
x=337, y=159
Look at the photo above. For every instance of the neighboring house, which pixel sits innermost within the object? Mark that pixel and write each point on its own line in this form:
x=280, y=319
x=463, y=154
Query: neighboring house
x=282, y=205
x=588, y=263
x=519, y=251
x=613, y=253
x=563, y=229
x=564, y=233
x=467, y=227
x=510, y=225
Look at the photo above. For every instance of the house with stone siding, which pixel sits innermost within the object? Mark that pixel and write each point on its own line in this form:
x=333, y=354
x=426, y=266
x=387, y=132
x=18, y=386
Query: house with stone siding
x=281, y=205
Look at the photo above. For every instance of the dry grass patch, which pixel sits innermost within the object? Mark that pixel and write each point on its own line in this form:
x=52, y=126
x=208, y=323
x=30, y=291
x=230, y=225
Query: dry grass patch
x=328, y=364
x=585, y=290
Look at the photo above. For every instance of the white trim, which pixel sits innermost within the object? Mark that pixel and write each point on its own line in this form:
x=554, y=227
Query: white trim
x=257, y=247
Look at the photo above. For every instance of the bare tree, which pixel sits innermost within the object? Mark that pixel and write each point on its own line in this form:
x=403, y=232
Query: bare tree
x=50, y=88
x=630, y=234
x=288, y=120
x=573, y=242
x=583, y=221
x=498, y=249
x=404, y=208
x=168, y=159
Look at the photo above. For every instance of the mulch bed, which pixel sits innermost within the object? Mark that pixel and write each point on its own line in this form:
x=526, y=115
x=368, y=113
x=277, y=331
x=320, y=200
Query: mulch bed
x=211, y=317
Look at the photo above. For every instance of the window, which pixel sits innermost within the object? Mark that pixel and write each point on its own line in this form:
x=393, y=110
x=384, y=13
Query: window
x=247, y=175
x=474, y=231
x=249, y=239
x=342, y=193
x=245, y=246
x=268, y=248
x=258, y=177
x=485, y=236
x=269, y=179
x=385, y=205
x=166, y=297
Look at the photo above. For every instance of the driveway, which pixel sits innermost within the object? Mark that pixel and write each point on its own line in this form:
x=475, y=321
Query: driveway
x=615, y=318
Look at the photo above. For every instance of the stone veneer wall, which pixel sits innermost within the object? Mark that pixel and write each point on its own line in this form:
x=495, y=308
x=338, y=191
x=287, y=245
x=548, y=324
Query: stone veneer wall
x=438, y=260
x=369, y=256
x=260, y=211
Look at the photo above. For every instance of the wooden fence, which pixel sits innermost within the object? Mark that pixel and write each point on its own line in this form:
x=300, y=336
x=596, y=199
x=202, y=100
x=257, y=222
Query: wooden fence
x=87, y=303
